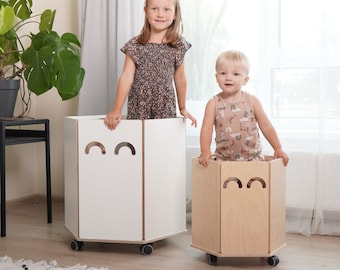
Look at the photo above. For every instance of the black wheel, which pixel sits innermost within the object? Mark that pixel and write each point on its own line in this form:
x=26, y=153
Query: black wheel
x=146, y=249
x=212, y=259
x=273, y=260
x=76, y=245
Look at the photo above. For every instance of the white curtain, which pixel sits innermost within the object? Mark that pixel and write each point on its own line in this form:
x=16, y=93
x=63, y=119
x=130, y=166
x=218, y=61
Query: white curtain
x=105, y=25
x=309, y=52
x=295, y=72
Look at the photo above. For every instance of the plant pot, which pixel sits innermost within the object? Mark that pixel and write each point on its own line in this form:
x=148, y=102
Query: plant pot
x=8, y=96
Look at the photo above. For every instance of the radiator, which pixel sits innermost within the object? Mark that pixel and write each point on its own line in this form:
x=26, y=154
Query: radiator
x=313, y=181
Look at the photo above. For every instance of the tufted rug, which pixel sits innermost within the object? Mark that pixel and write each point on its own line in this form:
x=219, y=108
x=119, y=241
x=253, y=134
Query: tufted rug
x=6, y=263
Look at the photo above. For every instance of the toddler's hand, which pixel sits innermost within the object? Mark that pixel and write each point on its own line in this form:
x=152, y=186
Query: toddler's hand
x=204, y=158
x=279, y=153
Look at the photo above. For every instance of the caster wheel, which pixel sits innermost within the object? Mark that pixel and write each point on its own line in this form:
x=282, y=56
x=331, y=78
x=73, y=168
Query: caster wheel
x=76, y=245
x=212, y=259
x=273, y=260
x=146, y=249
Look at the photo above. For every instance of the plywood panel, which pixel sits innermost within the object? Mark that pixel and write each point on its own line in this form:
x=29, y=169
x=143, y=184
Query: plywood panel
x=244, y=208
x=206, y=206
x=277, y=204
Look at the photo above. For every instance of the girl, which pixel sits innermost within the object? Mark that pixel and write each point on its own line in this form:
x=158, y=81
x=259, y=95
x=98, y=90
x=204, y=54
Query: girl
x=154, y=62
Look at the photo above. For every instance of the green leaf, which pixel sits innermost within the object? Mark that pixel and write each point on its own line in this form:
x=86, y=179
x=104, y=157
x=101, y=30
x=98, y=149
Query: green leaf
x=37, y=73
x=71, y=38
x=46, y=20
x=66, y=74
x=22, y=8
x=8, y=50
x=53, y=61
x=7, y=17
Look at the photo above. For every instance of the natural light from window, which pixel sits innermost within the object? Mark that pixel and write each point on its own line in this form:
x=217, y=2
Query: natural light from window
x=293, y=46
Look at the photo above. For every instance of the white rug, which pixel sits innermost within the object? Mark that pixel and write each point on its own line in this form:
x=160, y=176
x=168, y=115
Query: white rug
x=6, y=263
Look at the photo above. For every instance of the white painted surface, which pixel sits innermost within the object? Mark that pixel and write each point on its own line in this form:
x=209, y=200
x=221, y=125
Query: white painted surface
x=113, y=196
x=165, y=183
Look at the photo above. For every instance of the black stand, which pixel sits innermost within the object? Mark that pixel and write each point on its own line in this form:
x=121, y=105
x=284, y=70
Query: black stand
x=23, y=136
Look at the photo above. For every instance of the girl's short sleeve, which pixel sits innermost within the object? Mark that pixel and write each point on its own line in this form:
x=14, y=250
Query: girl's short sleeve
x=131, y=47
x=182, y=47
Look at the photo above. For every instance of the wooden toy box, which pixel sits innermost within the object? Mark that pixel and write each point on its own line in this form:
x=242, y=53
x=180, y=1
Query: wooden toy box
x=238, y=208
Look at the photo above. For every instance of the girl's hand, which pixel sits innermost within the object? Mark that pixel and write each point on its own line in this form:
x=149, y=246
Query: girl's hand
x=204, y=158
x=280, y=154
x=112, y=120
x=186, y=114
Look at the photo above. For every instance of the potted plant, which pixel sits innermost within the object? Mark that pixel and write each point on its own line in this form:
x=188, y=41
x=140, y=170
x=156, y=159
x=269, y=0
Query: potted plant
x=42, y=59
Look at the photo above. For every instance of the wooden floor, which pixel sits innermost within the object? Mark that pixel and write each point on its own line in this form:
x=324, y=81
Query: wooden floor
x=30, y=237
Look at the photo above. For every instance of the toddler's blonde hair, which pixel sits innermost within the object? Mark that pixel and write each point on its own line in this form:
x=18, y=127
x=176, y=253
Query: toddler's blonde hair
x=233, y=55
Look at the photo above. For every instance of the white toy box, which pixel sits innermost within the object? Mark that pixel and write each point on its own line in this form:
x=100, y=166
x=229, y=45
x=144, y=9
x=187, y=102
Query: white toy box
x=125, y=185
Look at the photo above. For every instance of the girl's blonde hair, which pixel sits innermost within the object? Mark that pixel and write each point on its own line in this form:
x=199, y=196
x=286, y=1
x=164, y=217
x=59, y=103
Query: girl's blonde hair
x=174, y=32
x=233, y=55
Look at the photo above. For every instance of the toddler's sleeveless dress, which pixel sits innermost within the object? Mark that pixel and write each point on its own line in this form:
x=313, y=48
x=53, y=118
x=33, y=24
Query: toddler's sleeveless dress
x=237, y=133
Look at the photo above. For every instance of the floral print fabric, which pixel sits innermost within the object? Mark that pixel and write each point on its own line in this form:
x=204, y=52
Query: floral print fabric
x=152, y=93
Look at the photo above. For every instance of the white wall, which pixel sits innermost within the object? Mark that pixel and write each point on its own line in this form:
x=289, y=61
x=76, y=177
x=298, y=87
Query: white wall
x=25, y=164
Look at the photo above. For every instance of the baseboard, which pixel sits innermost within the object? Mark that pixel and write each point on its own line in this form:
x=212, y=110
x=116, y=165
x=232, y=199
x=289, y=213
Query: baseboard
x=35, y=198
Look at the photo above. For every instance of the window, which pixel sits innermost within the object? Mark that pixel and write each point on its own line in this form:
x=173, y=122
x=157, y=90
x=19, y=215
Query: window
x=299, y=93
x=213, y=27
x=293, y=46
